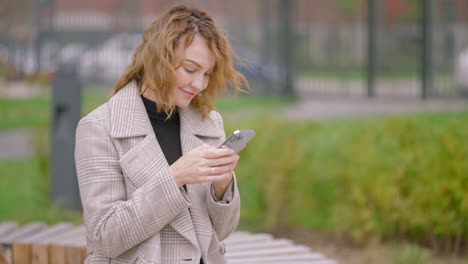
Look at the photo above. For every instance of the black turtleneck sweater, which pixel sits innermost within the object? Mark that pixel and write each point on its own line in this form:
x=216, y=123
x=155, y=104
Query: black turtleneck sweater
x=167, y=131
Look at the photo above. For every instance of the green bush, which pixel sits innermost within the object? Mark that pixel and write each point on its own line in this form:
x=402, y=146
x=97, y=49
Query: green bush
x=410, y=254
x=372, y=179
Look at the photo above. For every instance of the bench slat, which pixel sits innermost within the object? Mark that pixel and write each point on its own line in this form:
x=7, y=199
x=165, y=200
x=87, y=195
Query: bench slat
x=326, y=261
x=33, y=244
x=269, y=252
x=23, y=232
x=248, y=239
x=277, y=243
x=61, y=254
x=239, y=234
x=74, y=255
x=63, y=243
x=75, y=242
x=276, y=259
x=39, y=254
x=45, y=233
x=7, y=227
x=71, y=233
x=57, y=254
x=28, y=248
x=21, y=254
x=3, y=259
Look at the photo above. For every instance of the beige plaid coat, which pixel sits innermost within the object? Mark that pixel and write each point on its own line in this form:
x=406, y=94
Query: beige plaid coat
x=133, y=210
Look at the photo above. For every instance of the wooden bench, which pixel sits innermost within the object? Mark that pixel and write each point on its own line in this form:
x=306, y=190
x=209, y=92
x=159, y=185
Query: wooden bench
x=64, y=243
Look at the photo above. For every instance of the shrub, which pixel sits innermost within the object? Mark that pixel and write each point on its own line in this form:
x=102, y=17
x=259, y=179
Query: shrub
x=376, y=178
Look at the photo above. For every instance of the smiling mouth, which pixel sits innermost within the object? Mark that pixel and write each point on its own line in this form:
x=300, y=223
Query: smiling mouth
x=189, y=93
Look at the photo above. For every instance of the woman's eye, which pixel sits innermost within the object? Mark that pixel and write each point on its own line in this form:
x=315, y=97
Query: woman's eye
x=189, y=70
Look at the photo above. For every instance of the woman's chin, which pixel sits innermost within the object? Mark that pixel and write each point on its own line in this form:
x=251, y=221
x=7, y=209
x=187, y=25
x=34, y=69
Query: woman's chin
x=183, y=104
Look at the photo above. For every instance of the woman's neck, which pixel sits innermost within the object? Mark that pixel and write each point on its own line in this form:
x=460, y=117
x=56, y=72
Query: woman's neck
x=149, y=95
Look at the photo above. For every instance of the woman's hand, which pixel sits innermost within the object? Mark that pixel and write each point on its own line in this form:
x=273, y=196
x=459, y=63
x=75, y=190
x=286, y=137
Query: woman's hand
x=205, y=164
x=222, y=185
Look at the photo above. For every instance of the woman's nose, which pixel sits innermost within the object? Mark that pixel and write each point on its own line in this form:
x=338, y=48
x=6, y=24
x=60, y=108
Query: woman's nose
x=199, y=84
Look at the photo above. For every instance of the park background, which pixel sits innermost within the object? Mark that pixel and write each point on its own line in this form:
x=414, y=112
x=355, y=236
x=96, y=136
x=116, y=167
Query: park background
x=360, y=108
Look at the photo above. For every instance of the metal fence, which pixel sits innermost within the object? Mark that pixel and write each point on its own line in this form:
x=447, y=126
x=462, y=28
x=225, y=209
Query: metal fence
x=346, y=48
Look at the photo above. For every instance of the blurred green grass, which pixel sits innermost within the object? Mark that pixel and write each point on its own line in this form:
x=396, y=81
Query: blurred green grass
x=36, y=111
x=16, y=113
x=24, y=192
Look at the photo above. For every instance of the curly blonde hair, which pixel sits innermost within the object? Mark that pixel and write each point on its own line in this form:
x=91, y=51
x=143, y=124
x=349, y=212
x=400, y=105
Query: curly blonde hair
x=153, y=63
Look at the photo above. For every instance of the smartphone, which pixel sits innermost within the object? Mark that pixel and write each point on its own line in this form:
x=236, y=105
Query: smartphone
x=238, y=139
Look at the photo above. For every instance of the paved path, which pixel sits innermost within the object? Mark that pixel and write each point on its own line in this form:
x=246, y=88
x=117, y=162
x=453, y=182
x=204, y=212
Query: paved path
x=329, y=108
x=21, y=89
x=328, y=99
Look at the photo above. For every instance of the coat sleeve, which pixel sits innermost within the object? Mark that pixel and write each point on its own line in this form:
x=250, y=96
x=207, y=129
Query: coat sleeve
x=114, y=222
x=224, y=214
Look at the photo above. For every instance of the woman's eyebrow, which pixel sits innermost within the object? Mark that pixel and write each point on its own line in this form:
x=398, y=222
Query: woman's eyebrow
x=196, y=63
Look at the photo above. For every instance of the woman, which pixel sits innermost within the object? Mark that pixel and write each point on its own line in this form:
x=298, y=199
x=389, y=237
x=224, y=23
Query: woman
x=154, y=186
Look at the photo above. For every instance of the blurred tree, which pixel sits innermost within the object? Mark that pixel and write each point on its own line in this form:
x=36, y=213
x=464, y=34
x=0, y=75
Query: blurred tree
x=16, y=18
x=126, y=15
x=348, y=8
x=402, y=10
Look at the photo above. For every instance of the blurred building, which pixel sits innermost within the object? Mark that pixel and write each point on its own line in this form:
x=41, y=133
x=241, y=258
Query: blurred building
x=328, y=40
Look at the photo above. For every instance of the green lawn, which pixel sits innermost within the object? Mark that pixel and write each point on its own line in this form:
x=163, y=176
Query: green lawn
x=24, y=194
x=35, y=112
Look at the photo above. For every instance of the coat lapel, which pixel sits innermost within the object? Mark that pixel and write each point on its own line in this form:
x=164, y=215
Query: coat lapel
x=128, y=114
x=195, y=131
x=130, y=119
x=192, y=122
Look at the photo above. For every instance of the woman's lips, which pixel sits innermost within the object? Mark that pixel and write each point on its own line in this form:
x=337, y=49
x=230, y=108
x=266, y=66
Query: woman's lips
x=188, y=93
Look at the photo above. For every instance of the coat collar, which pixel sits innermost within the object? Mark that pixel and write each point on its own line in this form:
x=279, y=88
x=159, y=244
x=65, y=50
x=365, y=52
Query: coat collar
x=130, y=119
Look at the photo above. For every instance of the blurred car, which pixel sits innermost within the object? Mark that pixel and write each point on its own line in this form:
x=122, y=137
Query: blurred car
x=109, y=60
x=461, y=71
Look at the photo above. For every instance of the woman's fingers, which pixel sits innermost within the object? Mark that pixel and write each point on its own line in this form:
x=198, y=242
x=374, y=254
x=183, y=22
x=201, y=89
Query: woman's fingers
x=222, y=161
x=205, y=164
x=212, y=171
x=214, y=153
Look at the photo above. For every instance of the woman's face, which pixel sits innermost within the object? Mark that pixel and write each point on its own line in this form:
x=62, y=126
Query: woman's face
x=193, y=75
